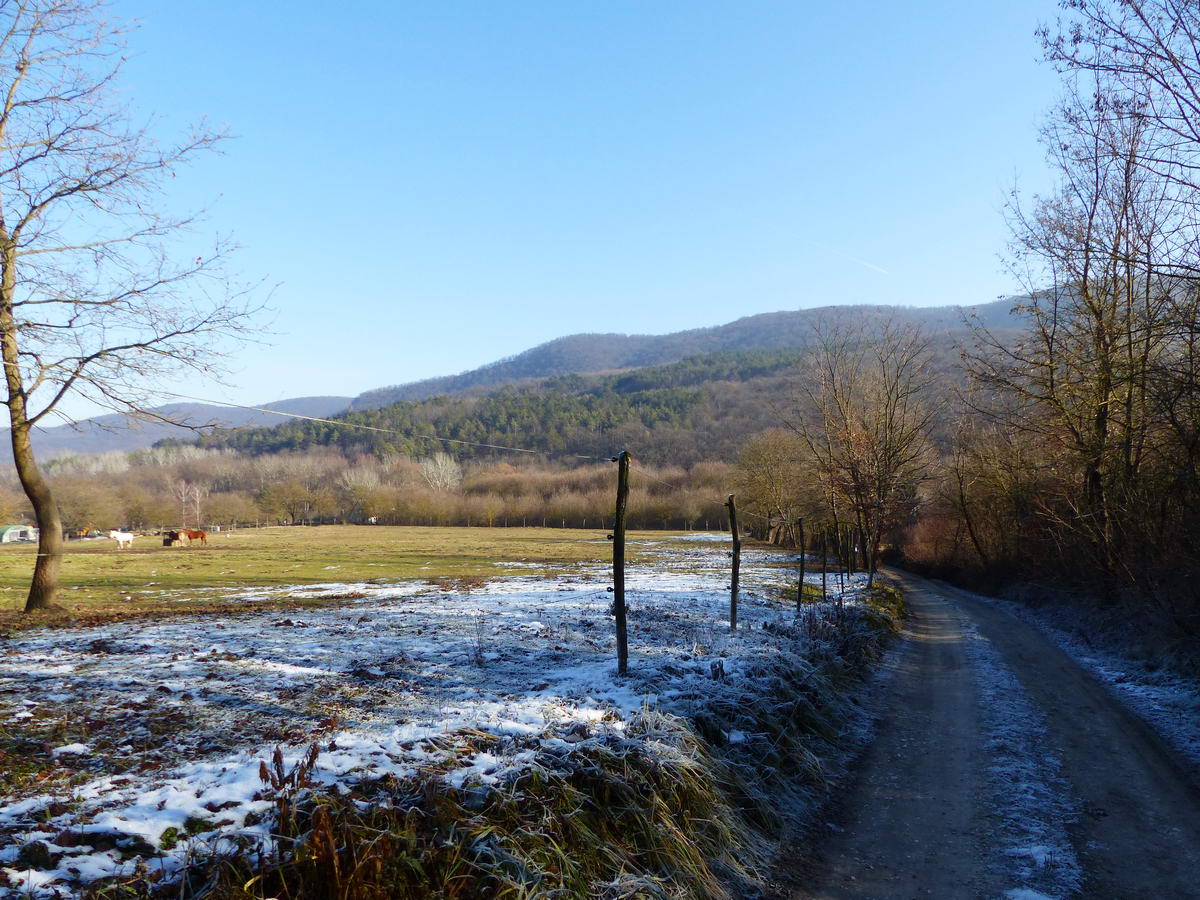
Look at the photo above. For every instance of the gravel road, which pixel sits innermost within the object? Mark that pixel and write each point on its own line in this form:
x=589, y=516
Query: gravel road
x=930, y=814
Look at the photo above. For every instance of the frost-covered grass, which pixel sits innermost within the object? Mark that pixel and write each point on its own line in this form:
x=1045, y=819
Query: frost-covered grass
x=471, y=726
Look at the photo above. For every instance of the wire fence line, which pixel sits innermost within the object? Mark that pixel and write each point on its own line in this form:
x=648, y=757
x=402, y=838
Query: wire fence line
x=625, y=467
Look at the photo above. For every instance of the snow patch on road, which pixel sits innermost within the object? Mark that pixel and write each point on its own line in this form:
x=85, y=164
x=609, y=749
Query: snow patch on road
x=1028, y=793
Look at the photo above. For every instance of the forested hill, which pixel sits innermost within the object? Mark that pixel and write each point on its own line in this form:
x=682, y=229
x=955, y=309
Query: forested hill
x=700, y=408
x=646, y=361
x=592, y=353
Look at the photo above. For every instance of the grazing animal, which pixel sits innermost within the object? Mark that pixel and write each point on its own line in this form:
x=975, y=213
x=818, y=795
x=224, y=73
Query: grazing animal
x=171, y=538
x=201, y=536
x=123, y=538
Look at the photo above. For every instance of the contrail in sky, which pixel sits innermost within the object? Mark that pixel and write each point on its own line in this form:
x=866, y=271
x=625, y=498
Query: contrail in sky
x=863, y=262
x=847, y=256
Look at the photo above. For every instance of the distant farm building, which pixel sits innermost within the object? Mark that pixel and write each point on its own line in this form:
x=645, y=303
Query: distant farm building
x=10, y=533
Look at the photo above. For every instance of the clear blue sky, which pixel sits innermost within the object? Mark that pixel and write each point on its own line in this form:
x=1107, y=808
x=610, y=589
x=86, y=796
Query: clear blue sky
x=434, y=186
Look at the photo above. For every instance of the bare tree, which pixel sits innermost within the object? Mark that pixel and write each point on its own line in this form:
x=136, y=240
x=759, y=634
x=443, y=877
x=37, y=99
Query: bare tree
x=771, y=482
x=1143, y=57
x=99, y=295
x=183, y=493
x=865, y=416
x=1098, y=258
x=442, y=472
x=199, y=494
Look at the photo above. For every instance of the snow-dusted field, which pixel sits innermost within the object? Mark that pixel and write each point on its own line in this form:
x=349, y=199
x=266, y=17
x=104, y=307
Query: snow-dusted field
x=152, y=734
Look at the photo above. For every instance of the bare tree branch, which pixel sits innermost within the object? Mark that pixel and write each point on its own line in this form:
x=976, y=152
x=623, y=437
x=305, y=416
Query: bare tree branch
x=100, y=293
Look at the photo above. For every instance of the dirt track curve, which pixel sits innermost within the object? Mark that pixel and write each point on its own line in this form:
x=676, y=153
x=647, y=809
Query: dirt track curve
x=914, y=821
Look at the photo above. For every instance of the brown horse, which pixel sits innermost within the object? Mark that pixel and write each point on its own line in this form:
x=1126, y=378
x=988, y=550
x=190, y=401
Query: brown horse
x=201, y=536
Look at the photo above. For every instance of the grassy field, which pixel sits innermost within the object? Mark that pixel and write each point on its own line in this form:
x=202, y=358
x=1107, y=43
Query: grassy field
x=101, y=582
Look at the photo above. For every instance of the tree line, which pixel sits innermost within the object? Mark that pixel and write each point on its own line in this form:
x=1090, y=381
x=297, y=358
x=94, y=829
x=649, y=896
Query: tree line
x=171, y=487
x=1070, y=456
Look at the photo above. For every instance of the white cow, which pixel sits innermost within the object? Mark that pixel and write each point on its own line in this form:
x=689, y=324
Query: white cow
x=123, y=538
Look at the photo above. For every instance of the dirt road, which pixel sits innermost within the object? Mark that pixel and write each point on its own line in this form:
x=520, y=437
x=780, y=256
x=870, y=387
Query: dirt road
x=921, y=819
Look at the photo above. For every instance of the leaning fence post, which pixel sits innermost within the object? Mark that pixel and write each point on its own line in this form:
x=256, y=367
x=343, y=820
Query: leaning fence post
x=618, y=539
x=737, y=563
x=800, y=585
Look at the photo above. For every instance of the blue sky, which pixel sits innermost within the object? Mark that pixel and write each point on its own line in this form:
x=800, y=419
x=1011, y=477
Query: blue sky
x=433, y=186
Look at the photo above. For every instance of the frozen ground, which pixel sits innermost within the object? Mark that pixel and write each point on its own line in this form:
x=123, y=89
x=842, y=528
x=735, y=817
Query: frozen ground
x=1169, y=702
x=151, y=735
x=1030, y=799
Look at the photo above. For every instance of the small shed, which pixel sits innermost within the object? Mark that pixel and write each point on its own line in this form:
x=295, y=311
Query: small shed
x=10, y=533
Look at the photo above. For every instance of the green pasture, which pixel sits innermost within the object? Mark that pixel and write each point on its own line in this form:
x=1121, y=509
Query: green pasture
x=99, y=582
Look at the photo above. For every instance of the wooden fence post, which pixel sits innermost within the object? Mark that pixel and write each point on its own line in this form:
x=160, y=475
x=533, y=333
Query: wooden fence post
x=800, y=585
x=840, y=537
x=851, y=537
x=849, y=553
x=824, y=563
x=737, y=563
x=618, y=539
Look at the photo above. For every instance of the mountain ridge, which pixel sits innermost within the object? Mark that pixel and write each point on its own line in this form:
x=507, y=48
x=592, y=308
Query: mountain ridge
x=587, y=353
x=573, y=354
x=121, y=432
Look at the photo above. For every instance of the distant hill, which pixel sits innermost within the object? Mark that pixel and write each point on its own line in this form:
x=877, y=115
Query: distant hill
x=592, y=353
x=700, y=408
x=120, y=432
x=734, y=353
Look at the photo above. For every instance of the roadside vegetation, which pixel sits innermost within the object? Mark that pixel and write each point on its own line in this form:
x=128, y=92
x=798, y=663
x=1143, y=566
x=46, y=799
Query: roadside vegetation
x=671, y=808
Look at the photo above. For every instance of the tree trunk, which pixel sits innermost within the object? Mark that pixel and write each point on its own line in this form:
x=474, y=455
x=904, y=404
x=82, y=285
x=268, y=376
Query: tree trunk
x=44, y=588
x=874, y=539
x=969, y=520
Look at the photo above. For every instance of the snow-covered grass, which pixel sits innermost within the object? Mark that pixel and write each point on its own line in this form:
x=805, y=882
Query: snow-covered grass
x=1028, y=794
x=145, y=748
